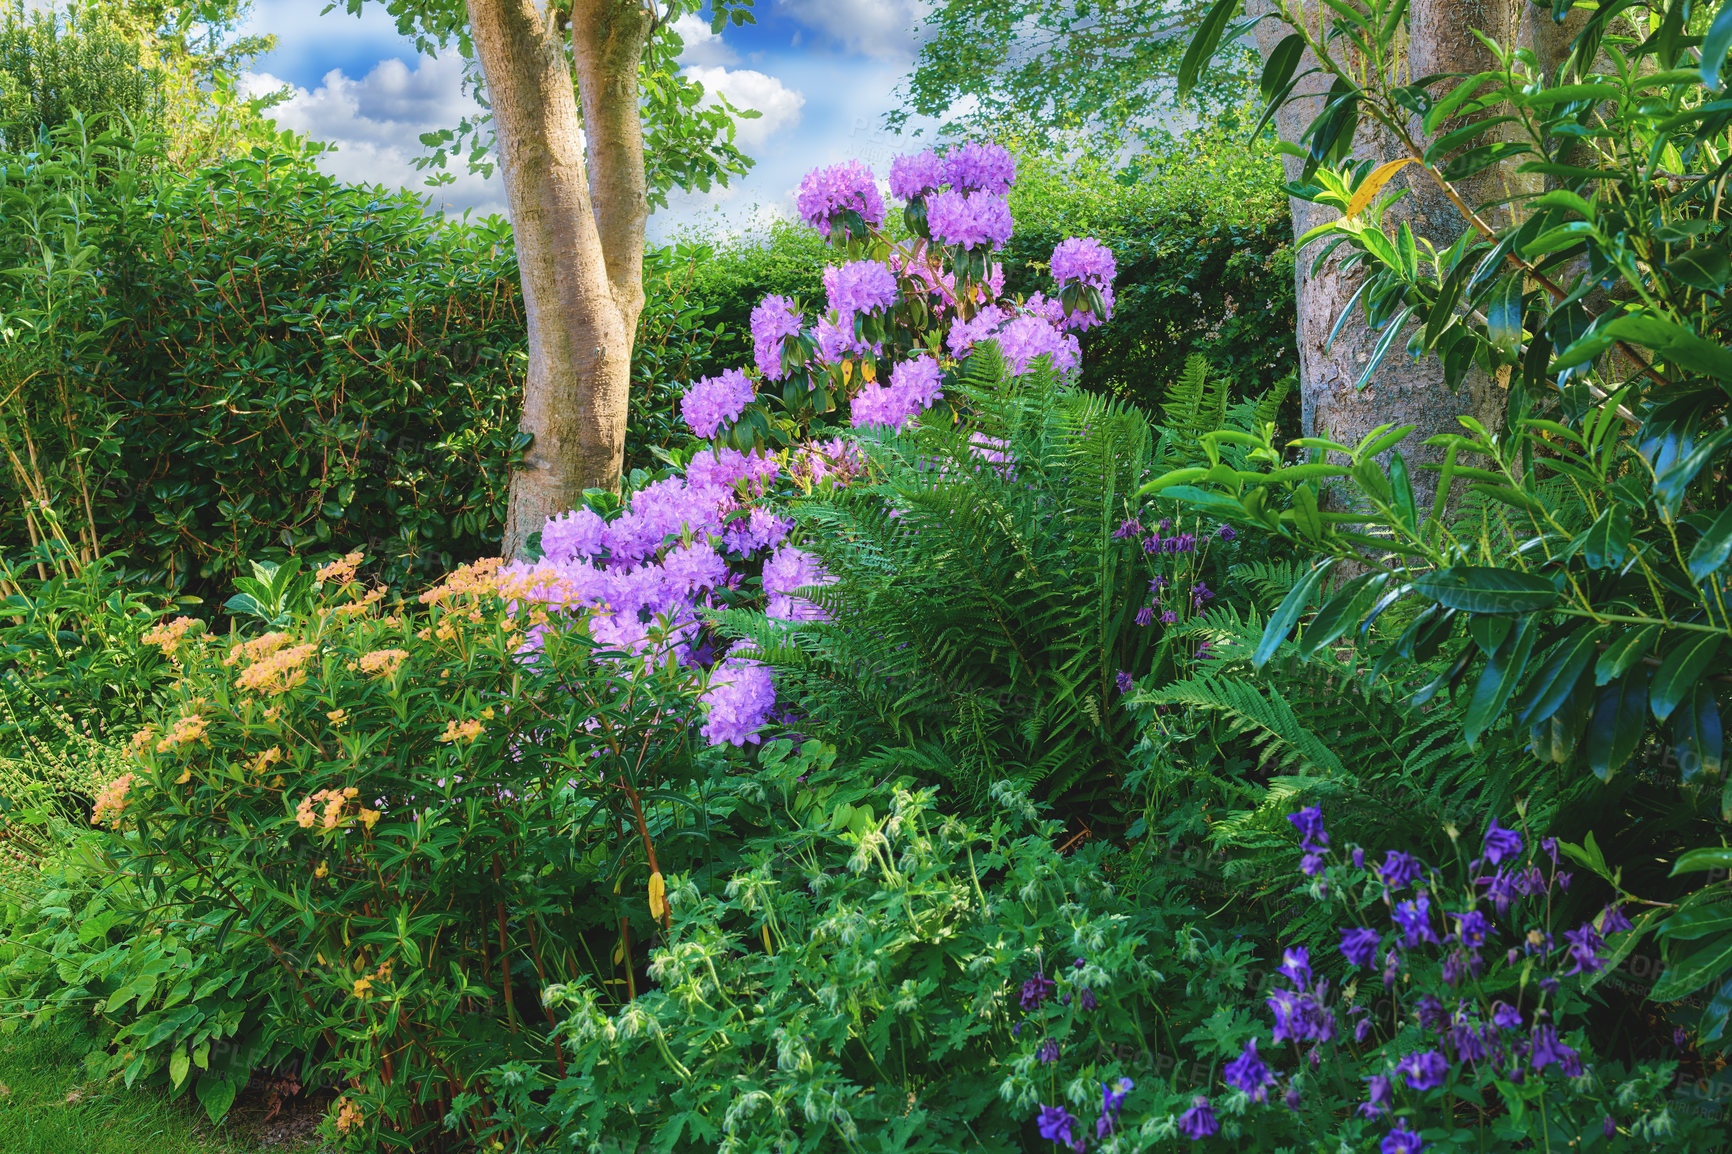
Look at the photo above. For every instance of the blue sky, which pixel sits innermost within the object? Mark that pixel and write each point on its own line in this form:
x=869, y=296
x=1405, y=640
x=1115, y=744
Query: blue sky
x=823, y=72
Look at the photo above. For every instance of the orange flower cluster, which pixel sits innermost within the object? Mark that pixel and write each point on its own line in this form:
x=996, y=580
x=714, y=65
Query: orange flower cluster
x=111, y=801
x=357, y=607
x=467, y=730
x=478, y=579
x=265, y=760
x=279, y=672
x=384, y=663
x=257, y=648
x=184, y=731
x=348, y=1115
x=332, y=799
x=168, y=636
x=340, y=571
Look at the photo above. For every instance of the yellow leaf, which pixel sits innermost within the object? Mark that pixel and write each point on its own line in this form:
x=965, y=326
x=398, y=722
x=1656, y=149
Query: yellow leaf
x=868, y=370
x=619, y=952
x=657, y=896
x=1367, y=192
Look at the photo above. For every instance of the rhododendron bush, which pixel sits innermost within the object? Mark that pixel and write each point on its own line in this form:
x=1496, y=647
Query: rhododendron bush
x=899, y=319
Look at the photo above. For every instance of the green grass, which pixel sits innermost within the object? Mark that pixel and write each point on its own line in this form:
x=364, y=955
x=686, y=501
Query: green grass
x=49, y=1107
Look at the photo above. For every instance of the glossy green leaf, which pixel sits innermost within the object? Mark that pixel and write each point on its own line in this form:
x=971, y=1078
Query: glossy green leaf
x=1483, y=589
x=1684, y=977
x=1619, y=719
x=1203, y=45
x=1713, y=548
x=1287, y=615
x=1502, y=673
x=1679, y=671
x=1624, y=651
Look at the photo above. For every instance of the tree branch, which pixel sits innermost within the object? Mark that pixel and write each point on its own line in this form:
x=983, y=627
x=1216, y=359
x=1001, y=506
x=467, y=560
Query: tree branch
x=608, y=38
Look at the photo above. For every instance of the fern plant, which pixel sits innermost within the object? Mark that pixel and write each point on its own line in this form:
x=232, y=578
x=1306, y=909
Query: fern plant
x=994, y=590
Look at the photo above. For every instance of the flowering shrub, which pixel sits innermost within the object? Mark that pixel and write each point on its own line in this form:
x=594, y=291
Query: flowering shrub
x=380, y=829
x=1457, y=1026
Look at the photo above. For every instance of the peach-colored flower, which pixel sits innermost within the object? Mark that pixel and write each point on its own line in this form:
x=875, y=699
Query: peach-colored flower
x=167, y=636
x=358, y=606
x=348, y=1115
x=362, y=985
x=384, y=663
x=142, y=740
x=258, y=647
x=369, y=817
x=111, y=801
x=322, y=870
x=476, y=579
x=265, y=760
x=467, y=730
x=340, y=571
x=279, y=672
x=184, y=731
x=338, y=717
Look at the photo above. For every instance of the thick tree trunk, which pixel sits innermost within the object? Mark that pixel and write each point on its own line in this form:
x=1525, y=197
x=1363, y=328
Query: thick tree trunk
x=1401, y=391
x=581, y=260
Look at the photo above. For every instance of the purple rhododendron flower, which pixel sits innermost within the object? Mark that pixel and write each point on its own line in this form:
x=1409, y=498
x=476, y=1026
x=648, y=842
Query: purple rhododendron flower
x=1248, y=1073
x=1198, y=1122
x=1359, y=946
x=917, y=174
x=714, y=401
x=1309, y=823
x=980, y=167
x=1399, y=869
x=789, y=569
x=579, y=533
x=738, y=699
x=774, y=319
x=912, y=390
x=1501, y=843
x=1425, y=1070
x=1025, y=339
x=969, y=220
x=860, y=286
x=826, y=193
x=1084, y=259
x=1400, y=1141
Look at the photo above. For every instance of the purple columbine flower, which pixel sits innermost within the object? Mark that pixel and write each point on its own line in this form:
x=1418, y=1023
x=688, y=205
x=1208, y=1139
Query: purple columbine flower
x=1048, y=1051
x=1124, y=681
x=1505, y=1016
x=1199, y=594
x=1424, y=1070
x=1226, y=533
x=1152, y=544
x=1309, y=822
x=1358, y=857
x=1146, y=615
x=1086, y=1000
x=1414, y=918
x=1399, y=870
x=1377, y=1100
x=1401, y=1141
x=1613, y=920
x=1037, y=990
x=1127, y=529
x=1547, y=1050
x=1501, y=843
x=1157, y=584
x=1391, y=968
x=1078, y=964
x=1112, y=1101
x=1296, y=966
x=1502, y=887
x=1472, y=928
x=1585, y=944
x=1467, y=1042
x=1312, y=863
x=1299, y=1017
x=1169, y=617
x=1291, y=1098
x=1055, y=1123
x=1248, y=1073
x=1198, y=1122
x=1609, y=1127
x=1431, y=1013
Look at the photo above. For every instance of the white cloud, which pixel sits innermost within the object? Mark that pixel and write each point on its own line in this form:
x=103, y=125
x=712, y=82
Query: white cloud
x=880, y=28
x=376, y=123
x=745, y=88
x=701, y=45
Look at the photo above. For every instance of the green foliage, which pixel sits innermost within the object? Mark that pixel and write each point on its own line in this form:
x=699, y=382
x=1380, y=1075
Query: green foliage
x=53, y=63
x=1077, y=73
x=255, y=361
x=985, y=597
x=362, y=842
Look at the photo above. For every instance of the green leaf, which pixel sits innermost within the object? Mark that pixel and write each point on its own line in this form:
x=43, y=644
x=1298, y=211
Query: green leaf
x=1679, y=671
x=1607, y=541
x=1503, y=315
x=1503, y=671
x=1702, y=268
x=1713, y=548
x=1685, y=977
x=216, y=1095
x=1698, y=860
x=1288, y=613
x=1336, y=616
x=1624, y=652
x=1203, y=45
x=1715, y=45
x=1483, y=589
x=1618, y=721
x=1558, y=677
x=178, y=1064
x=1279, y=68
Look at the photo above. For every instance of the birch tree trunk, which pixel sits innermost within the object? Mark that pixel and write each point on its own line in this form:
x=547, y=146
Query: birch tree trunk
x=1401, y=391
x=578, y=208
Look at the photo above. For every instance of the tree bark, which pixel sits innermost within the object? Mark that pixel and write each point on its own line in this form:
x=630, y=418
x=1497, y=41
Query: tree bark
x=577, y=217
x=1402, y=391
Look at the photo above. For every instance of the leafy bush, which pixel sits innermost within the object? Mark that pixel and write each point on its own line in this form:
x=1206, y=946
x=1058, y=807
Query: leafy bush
x=202, y=308
x=368, y=838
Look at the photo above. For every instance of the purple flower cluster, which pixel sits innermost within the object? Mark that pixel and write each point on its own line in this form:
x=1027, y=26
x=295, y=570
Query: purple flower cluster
x=969, y=220
x=917, y=174
x=860, y=286
x=977, y=167
x=715, y=401
x=774, y=320
x=787, y=570
x=1026, y=339
x=1085, y=260
x=912, y=390
x=738, y=699
x=1179, y=543
x=827, y=193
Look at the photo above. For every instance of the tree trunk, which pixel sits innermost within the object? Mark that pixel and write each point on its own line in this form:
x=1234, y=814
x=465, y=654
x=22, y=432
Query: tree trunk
x=580, y=256
x=1401, y=391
